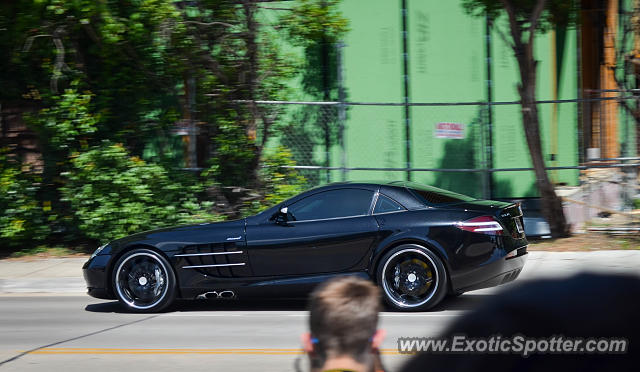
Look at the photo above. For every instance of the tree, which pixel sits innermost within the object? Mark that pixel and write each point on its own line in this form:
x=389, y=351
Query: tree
x=525, y=19
x=318, y=26
x=125, y=72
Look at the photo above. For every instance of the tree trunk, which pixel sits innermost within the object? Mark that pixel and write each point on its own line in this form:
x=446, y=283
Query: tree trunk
x=551, y=203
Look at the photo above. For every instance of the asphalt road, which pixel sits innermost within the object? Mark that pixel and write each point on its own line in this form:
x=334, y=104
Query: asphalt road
x=73, y=332
x=76, y=333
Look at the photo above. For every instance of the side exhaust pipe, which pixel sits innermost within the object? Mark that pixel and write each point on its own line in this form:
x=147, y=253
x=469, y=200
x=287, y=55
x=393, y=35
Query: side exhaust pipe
x=225, y=295
x=207, y=296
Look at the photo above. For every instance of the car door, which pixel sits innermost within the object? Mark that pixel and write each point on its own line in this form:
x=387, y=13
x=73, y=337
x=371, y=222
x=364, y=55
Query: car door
x=330, y=231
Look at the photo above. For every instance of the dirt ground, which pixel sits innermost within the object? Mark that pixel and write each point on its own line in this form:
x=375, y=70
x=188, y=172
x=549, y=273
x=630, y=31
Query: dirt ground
x=589, y=241
x=44, y=255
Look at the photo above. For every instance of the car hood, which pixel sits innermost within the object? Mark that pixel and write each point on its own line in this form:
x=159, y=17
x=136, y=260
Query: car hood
x=175, y=238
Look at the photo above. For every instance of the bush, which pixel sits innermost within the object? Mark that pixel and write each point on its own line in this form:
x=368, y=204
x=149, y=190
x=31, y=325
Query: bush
x=113, y=194
x=22, y=219
x=281, y=183
x=67, y=122
x=234, y=157
x=278, y=183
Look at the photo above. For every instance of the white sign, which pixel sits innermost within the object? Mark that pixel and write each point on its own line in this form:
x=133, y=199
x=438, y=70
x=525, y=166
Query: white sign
x=450, y=130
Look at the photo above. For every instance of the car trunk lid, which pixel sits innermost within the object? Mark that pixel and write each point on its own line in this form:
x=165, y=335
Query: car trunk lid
x=509, y=215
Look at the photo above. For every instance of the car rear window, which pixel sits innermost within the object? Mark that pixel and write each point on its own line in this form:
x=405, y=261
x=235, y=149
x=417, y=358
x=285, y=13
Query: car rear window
x=386, y=205
x=433, y=195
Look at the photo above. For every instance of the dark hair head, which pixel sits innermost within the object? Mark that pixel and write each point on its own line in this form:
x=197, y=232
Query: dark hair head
x=343, y=317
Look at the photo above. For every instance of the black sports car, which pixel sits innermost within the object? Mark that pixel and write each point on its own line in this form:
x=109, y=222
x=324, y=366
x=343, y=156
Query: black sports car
x=419, y=243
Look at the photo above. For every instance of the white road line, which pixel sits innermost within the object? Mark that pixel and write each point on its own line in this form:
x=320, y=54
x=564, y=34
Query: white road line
x=304, y=314
x=426, y=315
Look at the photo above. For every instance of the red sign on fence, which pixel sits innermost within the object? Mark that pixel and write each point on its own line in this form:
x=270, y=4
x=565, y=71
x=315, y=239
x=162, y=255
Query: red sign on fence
x=450, y=130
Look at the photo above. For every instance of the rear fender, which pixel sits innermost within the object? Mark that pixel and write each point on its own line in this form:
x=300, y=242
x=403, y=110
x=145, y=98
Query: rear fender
x=394, y=241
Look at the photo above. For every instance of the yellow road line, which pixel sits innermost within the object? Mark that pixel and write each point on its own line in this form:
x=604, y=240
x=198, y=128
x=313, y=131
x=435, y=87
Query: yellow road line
x=148, y=349
x=240, y=351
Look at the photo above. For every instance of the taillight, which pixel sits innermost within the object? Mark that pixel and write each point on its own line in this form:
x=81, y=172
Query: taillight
x=483, y=225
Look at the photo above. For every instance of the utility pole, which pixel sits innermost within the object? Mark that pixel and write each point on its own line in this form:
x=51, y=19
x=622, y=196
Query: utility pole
x=405, y=63
x=342, y=111
x=488, y=192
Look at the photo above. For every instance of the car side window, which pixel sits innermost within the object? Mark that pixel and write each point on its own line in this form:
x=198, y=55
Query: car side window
x=386, y=204
x=332, y=204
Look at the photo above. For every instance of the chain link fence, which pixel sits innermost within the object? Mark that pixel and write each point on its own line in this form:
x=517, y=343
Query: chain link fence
x=475, y=148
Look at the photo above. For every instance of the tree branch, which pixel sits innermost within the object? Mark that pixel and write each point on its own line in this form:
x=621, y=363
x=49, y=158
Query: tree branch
x=630, y=109
x=272, y=8
x=535, y=17
x=59, y=65
x=513, y=24
x=502, y=35
x=29, y=41
x=263, y=76
x=92, y=33
x=209, y=23
x=266, y=125
x=214, y=65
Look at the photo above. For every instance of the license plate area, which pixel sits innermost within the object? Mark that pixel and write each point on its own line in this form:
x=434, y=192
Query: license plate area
x=519, y=226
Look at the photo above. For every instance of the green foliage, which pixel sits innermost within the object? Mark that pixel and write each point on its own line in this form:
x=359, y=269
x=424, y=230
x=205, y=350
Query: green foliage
x=22, y=219
x=277, y=67
x=281, y=183
x=278, y=183
x=120, y=72
x=126, y=52
x=318, y=26
x=48, y=251
x=315, y=21
x=67, y=122
x=232, y=164
x=114, y=194
x=556, y=12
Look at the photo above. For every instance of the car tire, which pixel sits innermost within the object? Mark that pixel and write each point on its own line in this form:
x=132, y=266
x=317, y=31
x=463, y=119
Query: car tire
x=454, y=294
x=412, y=278
x=144, y=281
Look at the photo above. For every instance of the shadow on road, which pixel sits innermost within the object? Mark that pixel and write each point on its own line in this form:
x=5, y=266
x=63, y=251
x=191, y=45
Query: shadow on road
x=467, y=301
x=464, y=302
x=212, y=305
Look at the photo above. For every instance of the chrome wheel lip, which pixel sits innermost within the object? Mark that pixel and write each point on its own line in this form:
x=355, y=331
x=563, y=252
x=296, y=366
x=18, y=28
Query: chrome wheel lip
x=388, y=291
x=131, y=302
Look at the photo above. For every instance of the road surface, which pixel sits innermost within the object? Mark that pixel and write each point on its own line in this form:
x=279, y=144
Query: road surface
x=72, y=332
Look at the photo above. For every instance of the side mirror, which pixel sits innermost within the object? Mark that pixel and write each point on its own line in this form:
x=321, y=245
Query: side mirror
x=281, y=216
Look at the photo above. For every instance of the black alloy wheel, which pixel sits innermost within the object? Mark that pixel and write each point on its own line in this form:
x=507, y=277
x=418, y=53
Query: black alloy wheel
x=412, y=278
x=144, y=281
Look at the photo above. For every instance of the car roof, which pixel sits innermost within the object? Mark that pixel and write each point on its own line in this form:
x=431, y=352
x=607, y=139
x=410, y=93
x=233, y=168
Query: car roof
x=373, y=184
x=403, y=198
x=363, y=183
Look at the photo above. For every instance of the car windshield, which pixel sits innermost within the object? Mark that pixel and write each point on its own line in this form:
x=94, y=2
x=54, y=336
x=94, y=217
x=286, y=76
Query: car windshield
x=433, y=195
x=273, y=208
